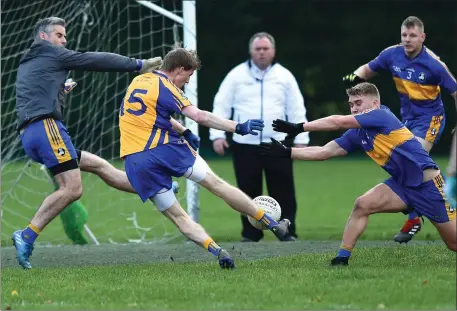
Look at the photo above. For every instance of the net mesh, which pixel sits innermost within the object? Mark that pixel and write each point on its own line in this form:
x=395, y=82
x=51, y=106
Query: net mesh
x=91, y=114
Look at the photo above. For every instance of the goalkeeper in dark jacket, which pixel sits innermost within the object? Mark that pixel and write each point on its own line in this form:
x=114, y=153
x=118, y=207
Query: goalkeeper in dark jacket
x=40, y=89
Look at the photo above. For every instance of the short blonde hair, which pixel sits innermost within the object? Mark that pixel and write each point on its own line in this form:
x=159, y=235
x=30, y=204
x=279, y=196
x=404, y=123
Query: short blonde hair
x=413, y=21
x=180, y=57
x=362, y=89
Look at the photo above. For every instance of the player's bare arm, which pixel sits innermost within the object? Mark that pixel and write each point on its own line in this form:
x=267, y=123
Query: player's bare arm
x=178, y=127
x=331, y=123
x=210, y=120
x=318, y=153
x=364, y=72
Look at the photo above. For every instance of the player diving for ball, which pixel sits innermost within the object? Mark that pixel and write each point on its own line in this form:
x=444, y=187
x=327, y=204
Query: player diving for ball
x=416, y=180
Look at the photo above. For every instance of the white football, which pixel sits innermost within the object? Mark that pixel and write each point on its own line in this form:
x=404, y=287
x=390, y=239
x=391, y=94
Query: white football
x=270, y=206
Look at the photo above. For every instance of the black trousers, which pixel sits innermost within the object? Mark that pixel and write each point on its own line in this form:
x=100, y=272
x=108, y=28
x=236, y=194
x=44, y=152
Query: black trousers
x=249, y=166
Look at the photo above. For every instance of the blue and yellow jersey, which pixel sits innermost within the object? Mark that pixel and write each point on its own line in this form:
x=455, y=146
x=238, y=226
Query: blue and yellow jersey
x=418, y=81
x=390, y=144
x=144, y=117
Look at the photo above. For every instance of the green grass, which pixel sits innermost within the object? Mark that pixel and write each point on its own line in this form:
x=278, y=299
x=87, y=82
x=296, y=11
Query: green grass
x=421, y=277
x=270, y=275
x=325, y=194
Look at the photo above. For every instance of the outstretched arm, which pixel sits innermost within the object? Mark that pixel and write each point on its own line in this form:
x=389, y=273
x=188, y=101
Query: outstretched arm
x=330, y=150
x=364, y=72
x=101, y=61
x=277, y=149
x=331, y=123
x=210, y=120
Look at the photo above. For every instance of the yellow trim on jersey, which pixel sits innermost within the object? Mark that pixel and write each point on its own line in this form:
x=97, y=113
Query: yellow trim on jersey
x=384, y=145
x=416, y=91
x=165, y=140
x=436, y=57
x=56, y=141
x=391, y=47
x=156, y=138
x=439, y=184
x=434, y=128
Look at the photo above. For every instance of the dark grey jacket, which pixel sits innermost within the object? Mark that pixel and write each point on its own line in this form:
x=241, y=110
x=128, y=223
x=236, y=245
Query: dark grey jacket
x=43, y=70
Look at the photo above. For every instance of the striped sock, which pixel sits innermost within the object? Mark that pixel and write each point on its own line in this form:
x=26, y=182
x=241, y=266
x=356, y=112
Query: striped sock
x=212, y=247
x=265, y=219
x=30, y=233
x=345, y=251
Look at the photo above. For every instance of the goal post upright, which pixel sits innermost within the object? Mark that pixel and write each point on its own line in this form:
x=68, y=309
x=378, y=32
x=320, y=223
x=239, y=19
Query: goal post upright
x=189, y=25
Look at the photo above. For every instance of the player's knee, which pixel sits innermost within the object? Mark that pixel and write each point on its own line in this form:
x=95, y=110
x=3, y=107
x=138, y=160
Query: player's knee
x=363, y=205
x=73, y=190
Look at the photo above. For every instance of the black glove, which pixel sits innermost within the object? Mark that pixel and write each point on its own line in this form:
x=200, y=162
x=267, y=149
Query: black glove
x=292, y=129
x=275, y=149
x=351, y=80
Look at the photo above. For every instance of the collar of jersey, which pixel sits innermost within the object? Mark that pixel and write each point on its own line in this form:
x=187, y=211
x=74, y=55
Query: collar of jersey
x=160, y=74
x=417, y=56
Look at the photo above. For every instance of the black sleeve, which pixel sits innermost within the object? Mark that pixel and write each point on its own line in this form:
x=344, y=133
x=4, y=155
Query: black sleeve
x=97, y=61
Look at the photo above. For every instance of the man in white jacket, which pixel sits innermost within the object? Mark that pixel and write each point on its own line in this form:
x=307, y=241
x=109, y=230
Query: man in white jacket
x=260, y=88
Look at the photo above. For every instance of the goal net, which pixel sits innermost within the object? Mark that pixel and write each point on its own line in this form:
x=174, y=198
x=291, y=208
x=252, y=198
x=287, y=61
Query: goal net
x=91, y=110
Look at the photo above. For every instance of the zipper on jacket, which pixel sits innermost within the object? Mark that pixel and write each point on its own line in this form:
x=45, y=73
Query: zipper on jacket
x=261, y=107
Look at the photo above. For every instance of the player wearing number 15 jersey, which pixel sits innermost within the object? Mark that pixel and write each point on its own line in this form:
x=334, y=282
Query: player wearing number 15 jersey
x=420, y=76
x=154, y=151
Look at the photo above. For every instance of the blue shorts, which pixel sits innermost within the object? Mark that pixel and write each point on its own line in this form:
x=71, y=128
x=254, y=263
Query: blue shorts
x=48, y=142
x=429, y=128
x=428, y=199
x=150, y=171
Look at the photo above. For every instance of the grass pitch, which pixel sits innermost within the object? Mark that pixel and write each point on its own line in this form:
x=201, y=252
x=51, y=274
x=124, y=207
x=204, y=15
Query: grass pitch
x=270, y=274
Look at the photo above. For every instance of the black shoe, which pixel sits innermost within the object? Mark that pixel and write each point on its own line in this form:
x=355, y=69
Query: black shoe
x=340, y=261
x=281, y=231
x=409, y=230
x=288, y=238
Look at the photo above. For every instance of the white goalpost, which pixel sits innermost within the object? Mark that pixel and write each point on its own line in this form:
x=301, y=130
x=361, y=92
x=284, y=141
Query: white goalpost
x=139, y=29
x=189, y=24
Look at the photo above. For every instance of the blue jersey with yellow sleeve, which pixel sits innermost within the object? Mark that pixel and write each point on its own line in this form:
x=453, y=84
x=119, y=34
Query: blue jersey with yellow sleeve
x=390, y=144
x=144, y=117
x=418, y=81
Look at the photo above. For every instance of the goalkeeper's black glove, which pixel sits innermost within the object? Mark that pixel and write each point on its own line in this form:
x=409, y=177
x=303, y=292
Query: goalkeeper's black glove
x=292, y=129
x=351, y=80
x=275, y=149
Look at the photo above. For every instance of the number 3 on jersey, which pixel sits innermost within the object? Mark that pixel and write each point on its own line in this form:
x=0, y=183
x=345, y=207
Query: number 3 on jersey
x=135, y=100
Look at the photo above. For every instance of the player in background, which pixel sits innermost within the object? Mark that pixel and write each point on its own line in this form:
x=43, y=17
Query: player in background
x=419, y=77
x=416, y=180
x=40, y=89
x=154, y=151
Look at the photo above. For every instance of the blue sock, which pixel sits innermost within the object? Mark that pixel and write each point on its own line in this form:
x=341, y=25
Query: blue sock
x=268, y=221
x=413, y=215
x=30, y=234
x=344, y=251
